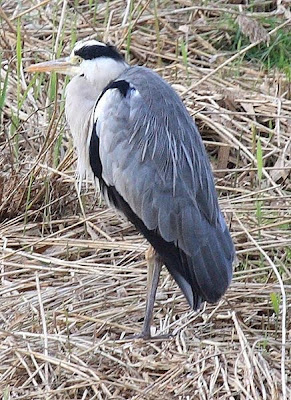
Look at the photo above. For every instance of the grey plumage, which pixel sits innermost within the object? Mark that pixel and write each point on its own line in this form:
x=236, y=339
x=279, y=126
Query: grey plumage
x=152, y=153
x=132, y=131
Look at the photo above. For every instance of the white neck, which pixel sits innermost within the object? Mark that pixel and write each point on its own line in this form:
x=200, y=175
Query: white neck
x=81, y=95
x=99, y=72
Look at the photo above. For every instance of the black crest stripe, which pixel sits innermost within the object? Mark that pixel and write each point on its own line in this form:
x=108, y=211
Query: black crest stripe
x=96, y=51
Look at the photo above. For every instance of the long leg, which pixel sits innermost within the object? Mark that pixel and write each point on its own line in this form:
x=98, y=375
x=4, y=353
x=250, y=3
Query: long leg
x=154, y=268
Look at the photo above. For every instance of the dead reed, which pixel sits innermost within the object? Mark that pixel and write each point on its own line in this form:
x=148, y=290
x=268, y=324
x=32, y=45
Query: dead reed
x=73, y=275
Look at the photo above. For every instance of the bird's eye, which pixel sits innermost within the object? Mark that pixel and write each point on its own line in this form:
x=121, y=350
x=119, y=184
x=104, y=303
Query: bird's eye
x=77, y=60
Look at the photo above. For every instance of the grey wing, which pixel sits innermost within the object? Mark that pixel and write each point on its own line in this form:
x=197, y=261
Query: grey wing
x=152, y=154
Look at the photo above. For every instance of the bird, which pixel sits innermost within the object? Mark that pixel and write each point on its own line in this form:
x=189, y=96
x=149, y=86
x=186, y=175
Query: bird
x=132, y=132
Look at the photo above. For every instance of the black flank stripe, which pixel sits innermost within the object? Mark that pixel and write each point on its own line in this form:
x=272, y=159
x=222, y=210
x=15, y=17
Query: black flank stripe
x=173, y=257
x=94, y=155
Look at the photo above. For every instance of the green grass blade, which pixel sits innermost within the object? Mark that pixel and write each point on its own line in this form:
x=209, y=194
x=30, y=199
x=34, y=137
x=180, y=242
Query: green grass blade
x=3, y=93
x=259, y=159
x=275, y=299
x=18, y=47
x=19, y=60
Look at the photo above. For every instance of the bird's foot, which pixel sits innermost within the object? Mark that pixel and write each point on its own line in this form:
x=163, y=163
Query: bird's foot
x=147, y=337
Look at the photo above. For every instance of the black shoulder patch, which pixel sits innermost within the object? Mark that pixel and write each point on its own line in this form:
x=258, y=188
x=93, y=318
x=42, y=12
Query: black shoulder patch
x=122, y=86
x=95, y=51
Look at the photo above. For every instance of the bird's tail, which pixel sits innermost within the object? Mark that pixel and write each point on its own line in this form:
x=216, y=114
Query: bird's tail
x=206, y=274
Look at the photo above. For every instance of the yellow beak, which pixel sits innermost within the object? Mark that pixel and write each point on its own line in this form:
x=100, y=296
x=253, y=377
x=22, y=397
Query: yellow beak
x=62, y=65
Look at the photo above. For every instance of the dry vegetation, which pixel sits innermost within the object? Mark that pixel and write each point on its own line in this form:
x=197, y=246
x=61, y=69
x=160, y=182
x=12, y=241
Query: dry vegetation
x=73, y=275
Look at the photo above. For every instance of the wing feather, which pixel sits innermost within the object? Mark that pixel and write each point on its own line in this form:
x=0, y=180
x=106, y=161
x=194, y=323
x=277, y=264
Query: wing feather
x=152, y=154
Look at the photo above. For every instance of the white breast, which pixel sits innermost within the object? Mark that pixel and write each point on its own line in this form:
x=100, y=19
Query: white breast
x=81, y=95
x=80, y=101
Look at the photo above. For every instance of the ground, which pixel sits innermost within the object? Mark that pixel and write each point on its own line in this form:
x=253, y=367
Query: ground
x=73, y=273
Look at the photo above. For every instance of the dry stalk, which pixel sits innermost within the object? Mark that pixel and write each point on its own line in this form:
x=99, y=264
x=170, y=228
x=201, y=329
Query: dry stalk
x=73, y=274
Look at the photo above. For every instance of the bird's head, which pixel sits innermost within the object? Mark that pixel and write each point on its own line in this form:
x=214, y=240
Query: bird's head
x=90, y=59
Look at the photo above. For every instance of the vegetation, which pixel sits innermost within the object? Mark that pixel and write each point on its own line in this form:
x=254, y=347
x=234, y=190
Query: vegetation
x=73, y=274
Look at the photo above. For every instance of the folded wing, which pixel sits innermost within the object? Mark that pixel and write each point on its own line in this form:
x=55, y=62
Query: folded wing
x=154, y=167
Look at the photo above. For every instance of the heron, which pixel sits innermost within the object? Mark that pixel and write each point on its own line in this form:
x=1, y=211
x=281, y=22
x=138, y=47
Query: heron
x=133, y=133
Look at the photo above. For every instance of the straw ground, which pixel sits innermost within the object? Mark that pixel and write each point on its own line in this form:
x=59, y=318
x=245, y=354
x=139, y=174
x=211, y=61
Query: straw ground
x=73, y=274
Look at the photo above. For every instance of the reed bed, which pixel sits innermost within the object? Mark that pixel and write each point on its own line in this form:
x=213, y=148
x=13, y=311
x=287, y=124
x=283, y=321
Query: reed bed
x=73, y=273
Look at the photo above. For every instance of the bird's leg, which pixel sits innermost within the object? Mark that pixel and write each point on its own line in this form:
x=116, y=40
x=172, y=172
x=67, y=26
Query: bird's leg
x=153, y=274
x=155, y=264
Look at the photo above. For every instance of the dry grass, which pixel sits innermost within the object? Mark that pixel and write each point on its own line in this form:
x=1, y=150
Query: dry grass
x=73, y=275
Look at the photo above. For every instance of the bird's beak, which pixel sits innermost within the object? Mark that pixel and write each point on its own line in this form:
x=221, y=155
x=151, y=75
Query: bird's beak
x=62, y=66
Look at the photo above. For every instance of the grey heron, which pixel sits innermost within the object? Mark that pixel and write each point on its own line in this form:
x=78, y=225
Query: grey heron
x=132, y=132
